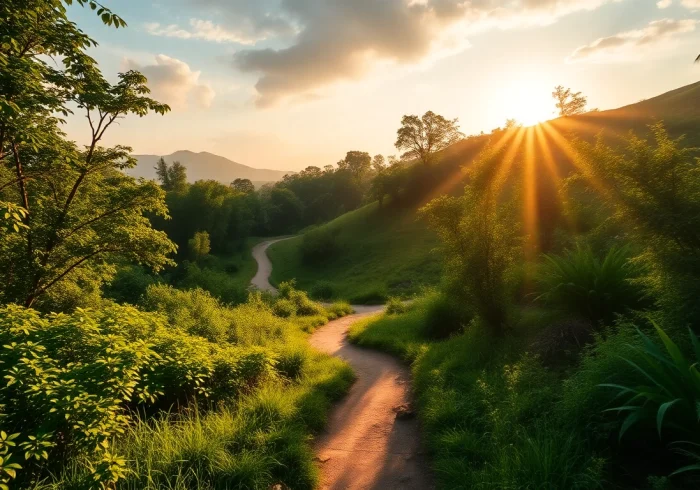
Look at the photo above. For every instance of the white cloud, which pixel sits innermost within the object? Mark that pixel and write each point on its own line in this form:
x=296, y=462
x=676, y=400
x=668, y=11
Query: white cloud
x=629, y=44
x=203, y=29
x=341, y=40
x=691, y=4
x=662, y=4
x=172, y=81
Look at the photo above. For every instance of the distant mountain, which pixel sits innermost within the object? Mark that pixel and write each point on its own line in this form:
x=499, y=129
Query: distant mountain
x=206, y=166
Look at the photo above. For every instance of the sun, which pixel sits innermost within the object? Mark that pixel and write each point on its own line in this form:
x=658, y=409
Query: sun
x=528, y=100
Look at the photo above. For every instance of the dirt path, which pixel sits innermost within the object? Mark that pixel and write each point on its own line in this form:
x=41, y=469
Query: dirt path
x=365, y=445
x=262, y=277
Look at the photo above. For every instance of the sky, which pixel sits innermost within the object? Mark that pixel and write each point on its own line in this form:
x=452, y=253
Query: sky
x=284, y=84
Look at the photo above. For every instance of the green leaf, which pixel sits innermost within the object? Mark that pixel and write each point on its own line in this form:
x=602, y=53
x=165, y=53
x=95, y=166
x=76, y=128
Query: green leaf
x=662, y=412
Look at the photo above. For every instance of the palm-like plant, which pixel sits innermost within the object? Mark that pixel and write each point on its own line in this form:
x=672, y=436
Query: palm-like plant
x=669, y=384
x=582, y=284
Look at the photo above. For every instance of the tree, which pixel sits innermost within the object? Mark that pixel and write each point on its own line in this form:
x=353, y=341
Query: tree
x=244, y=186
x=199, y=244
x=480, y=234
x=172, y=177
x=82, y=213
x=357, y=162
x=378, y=163
x=513, y=124
x=423, y=137
x=568, y=103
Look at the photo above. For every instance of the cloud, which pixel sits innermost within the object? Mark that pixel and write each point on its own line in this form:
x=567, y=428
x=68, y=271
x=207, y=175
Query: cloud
x=662, y=4
x=173, y=82
x=691, y=4
x=341, y=40
x=627, y=44
x=205, y=30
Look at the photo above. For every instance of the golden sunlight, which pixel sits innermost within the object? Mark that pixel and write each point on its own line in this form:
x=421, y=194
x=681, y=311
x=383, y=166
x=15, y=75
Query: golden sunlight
x=528, y=101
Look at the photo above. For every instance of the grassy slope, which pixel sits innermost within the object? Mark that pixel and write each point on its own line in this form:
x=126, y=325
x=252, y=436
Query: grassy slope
x=384, y=252
x=489, y=411
x=389, y=253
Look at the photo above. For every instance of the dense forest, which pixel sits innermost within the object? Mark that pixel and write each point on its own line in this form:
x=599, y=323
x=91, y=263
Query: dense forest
x=541, y=283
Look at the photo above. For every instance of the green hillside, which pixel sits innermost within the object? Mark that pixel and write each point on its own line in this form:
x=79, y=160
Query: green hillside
x=384, y=252
x=388, y=252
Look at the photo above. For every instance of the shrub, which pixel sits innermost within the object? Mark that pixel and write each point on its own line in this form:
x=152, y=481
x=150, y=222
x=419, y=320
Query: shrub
x=581, y=284
x=284, y=308
x=339, y=309
x=372, y=296
x=666, y=392
x=70, y=381
x=323, y=290
x=444, y=316
x=480, y=234
x=395, y=306
x=318, y=245
x=129, y=285
x=304, y=306
x=212, y=279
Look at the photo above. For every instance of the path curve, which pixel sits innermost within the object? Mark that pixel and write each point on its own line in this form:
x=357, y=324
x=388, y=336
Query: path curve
x=365, y=446
x=262, y=276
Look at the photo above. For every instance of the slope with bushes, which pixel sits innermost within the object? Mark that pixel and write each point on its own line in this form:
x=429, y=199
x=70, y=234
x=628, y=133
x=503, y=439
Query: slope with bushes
x=184, y=393
x=573, y=369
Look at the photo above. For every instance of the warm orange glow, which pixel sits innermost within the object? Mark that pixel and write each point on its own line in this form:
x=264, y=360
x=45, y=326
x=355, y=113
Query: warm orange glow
x=530, y=211
x=527, y=100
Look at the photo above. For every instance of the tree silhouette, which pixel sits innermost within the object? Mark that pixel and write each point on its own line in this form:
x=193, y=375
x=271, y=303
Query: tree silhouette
x=422, y=137
x=568, y=103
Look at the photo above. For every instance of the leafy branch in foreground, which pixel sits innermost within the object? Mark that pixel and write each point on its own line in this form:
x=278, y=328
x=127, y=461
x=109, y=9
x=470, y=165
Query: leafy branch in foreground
x=79, y=212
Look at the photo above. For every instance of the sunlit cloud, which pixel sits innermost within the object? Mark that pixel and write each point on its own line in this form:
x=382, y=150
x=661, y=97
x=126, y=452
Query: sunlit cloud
x=662, y=4
x=339, y=40
x=691, y=4
x=205, y=30
x=172, y=81
x=630, y=44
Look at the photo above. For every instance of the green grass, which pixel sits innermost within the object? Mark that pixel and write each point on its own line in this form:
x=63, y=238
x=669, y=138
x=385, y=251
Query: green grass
x=486, y=406
x=381, y=253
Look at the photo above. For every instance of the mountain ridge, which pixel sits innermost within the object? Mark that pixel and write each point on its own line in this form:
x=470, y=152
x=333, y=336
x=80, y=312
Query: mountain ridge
x=206, y=166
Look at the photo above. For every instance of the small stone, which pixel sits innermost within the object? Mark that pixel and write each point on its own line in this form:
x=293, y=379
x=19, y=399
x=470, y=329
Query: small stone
x=322, y=459
x=404, y=411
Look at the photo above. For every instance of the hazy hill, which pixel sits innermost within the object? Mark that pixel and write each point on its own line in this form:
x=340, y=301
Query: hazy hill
x=206, y=166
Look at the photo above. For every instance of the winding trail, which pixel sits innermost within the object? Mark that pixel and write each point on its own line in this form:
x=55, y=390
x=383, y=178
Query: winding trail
x=371, y=441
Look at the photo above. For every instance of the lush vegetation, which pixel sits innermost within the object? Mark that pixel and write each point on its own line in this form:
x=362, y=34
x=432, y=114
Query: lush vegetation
x=570, y=369
x=133, y=356
x=362, y=257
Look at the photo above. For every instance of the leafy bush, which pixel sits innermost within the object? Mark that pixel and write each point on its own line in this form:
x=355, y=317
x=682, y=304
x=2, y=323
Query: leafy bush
x=304, y=306
x=395, y=306
x=444, y=316
x=129, y=285
x=212, y=279
x=71, y=380
x=323, y=290
x=371, y=296
x=339, y=309
x=479, y=232
x=666, y=392
x=652, y=189
x=318, y=245
x=581, y=284
x=284, y=308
